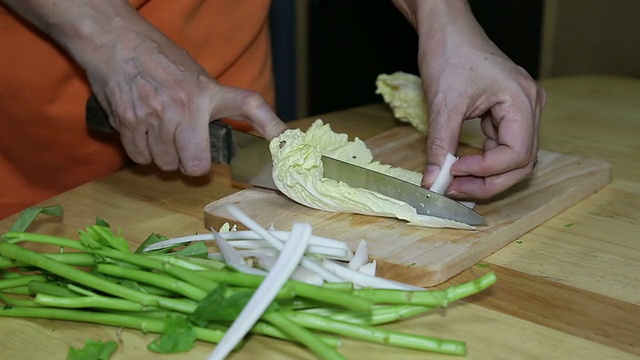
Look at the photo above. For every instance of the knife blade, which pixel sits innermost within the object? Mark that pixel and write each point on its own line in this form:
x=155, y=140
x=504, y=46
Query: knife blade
x=250, y=162
x=425, y=202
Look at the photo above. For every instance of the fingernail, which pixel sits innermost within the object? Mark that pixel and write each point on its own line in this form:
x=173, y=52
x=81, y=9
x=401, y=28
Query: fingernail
x=459, y=173
x=456, y=194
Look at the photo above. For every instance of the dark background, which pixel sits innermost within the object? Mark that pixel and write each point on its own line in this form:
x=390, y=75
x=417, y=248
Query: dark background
x=350, y=42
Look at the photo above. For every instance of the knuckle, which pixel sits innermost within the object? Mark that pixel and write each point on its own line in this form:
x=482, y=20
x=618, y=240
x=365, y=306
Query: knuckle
x=437, y=144
x=196, y=167
x=252, y=101
x=167, y=165
x=125, y=115
x=542, y=95
x=181, y=100
x=523, y=159
x=153, y=107
x=139, y=158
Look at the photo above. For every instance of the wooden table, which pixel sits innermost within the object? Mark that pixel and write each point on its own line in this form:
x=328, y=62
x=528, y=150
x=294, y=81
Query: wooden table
x=569, y=289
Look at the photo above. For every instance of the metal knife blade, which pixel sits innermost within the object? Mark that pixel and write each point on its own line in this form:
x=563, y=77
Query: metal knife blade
x=251, y=162
x=425, y=202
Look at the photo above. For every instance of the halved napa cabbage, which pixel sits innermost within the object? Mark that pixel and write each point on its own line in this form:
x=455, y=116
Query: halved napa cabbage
x=298, y=173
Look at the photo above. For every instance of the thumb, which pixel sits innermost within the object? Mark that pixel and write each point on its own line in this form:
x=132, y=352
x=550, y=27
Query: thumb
x=443, y=137
x=250, y=106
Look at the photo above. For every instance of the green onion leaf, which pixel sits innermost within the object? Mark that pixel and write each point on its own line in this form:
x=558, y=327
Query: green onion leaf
x=27, y=216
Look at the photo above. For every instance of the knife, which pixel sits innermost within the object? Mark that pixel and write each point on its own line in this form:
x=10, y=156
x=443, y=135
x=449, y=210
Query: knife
x=249, y=159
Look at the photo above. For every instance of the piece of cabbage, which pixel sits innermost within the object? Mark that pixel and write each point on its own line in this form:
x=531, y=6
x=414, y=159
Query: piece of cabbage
x=298, y=173
x=404, y=95
x=403, y=92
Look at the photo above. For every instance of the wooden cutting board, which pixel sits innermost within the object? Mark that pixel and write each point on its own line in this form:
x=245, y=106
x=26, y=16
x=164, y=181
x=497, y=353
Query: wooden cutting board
x=424, y=256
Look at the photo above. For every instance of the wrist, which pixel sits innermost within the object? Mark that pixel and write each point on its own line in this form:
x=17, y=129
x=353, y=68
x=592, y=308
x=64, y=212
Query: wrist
x=433, y=14
x=445, y=27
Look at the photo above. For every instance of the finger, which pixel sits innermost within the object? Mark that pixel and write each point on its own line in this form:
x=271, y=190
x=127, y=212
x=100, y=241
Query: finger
x=442, y=138
x=161, y=123
x=486, y=187
x=515, y=145
x=192, y=144
x=248, y=105
x=160, y=139
x=490, y=132
x=133, y=133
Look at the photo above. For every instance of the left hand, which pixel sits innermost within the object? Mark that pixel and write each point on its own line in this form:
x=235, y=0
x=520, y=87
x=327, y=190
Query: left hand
x=466, y=76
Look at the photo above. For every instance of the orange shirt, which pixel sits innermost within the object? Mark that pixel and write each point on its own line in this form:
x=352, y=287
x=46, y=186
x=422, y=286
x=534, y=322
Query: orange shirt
x=45, y=148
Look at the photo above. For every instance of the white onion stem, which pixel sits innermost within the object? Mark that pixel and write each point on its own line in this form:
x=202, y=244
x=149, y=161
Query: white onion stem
x=289, y=258
x=232, y=258
x=368, y=269
x=444, y=177
x=276, y=243
x=360, y=257
x=365, y=280
x=229, y=252
x=252, y=235
x=268, y=251
x=330, y=252
x=301, y=274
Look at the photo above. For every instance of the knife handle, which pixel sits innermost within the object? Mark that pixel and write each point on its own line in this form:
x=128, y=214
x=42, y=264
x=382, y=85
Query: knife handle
x=220, y=133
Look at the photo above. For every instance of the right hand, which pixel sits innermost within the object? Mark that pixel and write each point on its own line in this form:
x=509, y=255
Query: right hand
x=161, y=101
x=155, y=94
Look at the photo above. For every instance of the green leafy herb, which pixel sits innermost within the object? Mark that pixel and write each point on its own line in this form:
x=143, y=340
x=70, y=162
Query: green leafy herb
x=179, y=336
x=151, y=239
x=27, y=216
x=518, y=241
x=162, y=299
x=93, y=350
x=217, y=307
x=207, y=306
x=483, y=265
x=98, y=236
x=568, y=225
x=106, y=237
x=229, y=309
x=101, y=222
x=198, y=250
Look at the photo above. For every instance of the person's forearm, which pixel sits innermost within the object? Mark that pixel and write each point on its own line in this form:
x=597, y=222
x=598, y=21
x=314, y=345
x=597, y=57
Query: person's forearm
x=433, y=18
x=81, y=27
x=431, y=14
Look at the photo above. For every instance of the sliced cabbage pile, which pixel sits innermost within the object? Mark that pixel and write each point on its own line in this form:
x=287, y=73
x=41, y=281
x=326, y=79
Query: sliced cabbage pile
x=298, y=173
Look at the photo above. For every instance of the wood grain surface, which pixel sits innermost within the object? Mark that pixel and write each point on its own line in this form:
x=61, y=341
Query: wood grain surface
x=567, y=289
x=424, y=256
